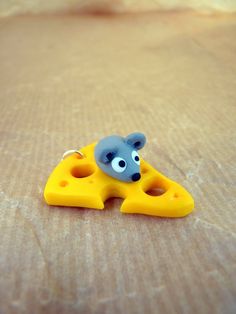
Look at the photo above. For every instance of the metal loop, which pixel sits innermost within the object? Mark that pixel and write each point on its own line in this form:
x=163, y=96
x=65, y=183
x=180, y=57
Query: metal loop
x=72, y=151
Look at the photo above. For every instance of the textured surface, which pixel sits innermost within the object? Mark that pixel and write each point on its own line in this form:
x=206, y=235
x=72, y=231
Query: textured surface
x=16, y=7
x=68, y=81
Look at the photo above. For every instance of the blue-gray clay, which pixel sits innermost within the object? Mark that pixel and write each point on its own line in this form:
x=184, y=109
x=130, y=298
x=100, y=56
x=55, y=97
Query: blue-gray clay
x=118, y=157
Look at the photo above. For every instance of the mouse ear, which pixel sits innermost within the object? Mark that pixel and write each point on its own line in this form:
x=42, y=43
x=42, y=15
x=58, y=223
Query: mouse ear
x=105, y=155
x=136, y=140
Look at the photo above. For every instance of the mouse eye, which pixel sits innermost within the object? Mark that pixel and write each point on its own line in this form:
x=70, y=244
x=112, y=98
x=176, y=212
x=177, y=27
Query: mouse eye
x=118, y=164
x=135, y=157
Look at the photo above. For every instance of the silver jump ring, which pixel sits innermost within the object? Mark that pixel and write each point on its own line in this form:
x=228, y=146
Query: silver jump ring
x=72, y=151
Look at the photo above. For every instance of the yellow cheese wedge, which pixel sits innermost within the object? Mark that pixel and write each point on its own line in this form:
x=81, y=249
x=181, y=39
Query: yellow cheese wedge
x=78, y=181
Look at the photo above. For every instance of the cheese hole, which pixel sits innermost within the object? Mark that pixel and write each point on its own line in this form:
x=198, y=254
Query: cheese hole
x=82, y=171
x=155, y=191
x=63, y=183
x=144, y=170
x=154, y=188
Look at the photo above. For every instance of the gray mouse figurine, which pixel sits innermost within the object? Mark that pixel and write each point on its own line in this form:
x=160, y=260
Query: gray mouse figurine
x=118, y=157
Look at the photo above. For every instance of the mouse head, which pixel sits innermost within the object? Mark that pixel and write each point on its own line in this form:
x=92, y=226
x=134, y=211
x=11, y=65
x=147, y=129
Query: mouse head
x=118, y=156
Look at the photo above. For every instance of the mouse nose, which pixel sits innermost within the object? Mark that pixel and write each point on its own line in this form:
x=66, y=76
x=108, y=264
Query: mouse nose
x=136, y=176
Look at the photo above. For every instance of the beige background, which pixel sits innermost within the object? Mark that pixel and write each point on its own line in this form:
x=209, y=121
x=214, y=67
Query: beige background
x=15, y=7
x=66, y=81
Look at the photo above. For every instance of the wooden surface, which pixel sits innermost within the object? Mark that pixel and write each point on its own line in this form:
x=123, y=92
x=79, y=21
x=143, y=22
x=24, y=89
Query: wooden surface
x=67, y=81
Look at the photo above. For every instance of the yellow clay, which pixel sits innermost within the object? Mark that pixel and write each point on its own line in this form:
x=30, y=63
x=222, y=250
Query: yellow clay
x=78, y=181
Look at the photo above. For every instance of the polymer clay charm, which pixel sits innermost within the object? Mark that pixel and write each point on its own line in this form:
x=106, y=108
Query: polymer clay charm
x=118, y=157
x=112, y=167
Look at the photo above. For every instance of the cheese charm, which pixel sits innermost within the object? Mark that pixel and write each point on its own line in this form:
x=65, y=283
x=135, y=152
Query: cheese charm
x=113, y=168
